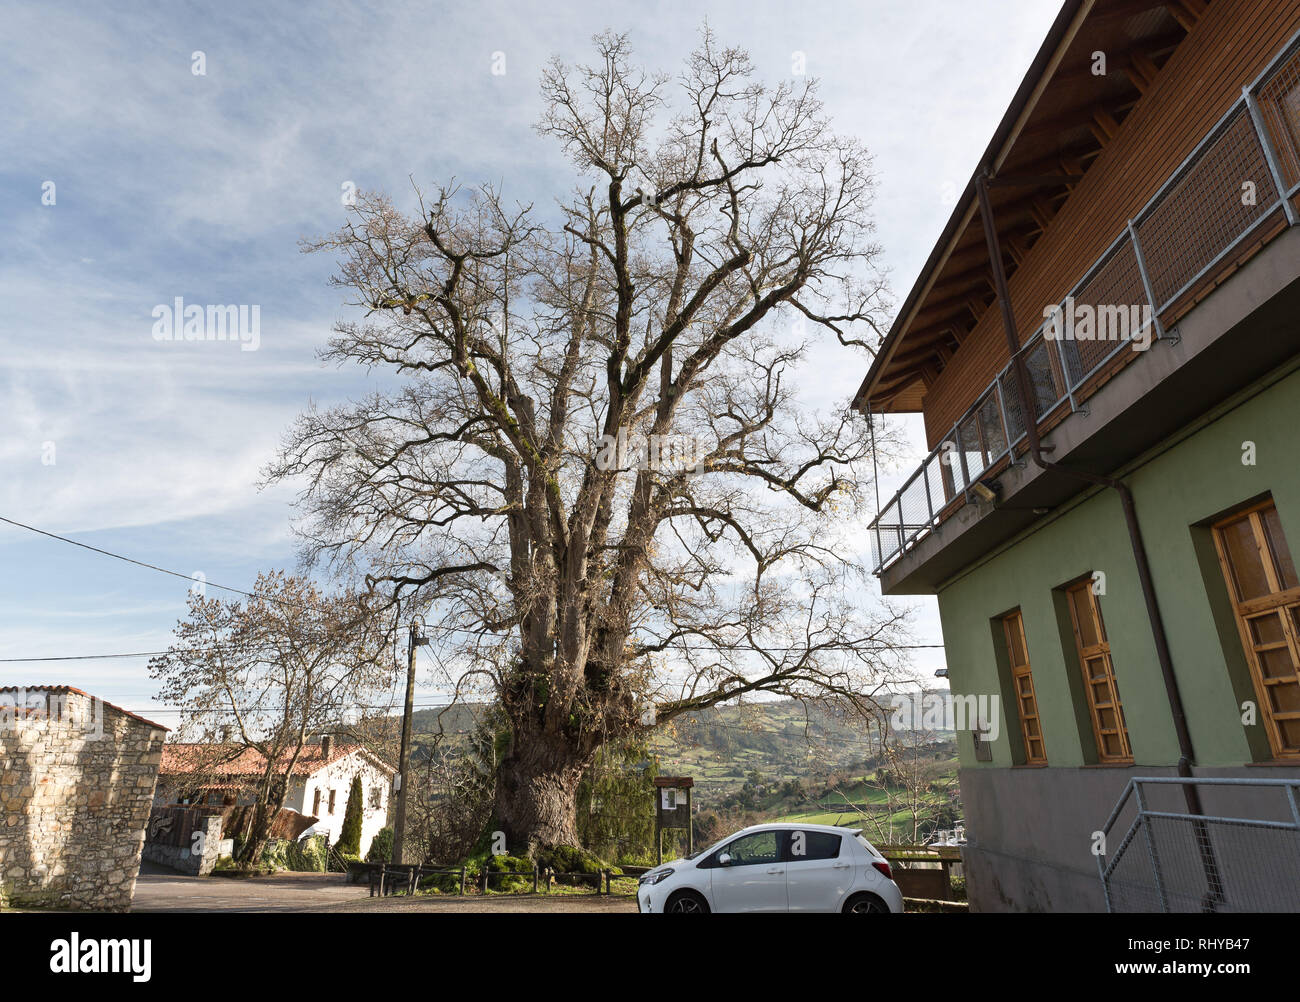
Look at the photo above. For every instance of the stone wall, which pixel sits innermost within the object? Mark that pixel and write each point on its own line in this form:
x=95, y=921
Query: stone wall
x=175, y=846
x=76, y=783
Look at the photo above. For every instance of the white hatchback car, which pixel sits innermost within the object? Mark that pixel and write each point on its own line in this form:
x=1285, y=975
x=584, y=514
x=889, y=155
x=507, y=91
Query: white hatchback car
x=776, y=868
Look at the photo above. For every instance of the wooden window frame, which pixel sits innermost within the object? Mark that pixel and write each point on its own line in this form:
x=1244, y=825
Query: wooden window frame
x=1285, y=602
x=1013, y=625
x=1099, y=651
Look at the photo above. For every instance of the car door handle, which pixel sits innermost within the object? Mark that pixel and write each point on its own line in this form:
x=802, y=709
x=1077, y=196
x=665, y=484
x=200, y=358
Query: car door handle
x=775, y=869
x=840, y=866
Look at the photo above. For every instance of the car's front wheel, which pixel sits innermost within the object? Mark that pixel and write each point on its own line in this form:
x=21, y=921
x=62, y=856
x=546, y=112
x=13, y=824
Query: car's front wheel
x=687, y=902
x=865, y=904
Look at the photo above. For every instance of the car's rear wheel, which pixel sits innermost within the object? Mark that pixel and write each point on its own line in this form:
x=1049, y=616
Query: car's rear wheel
x=865, y=904
x=687, y=903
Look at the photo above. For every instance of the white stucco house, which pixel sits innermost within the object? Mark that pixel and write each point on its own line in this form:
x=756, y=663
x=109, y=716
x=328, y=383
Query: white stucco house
x=319, y=786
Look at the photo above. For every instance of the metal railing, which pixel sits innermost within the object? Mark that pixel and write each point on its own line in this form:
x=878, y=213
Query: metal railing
x=1236, y=178
x=1173, y=861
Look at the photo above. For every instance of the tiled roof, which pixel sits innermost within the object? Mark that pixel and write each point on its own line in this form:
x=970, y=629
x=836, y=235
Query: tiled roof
x=179, y=758
x=80, y=692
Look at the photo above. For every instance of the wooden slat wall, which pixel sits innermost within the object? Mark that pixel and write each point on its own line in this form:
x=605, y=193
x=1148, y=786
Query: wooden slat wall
x=1228, y=48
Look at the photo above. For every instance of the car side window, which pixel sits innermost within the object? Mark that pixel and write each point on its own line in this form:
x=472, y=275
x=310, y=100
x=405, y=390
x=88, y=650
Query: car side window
x=812, y=845
x=751, y=850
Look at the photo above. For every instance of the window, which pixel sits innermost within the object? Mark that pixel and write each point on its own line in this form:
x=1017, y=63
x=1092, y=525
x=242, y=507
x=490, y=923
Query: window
x=750, y=850
x=813, y=845
x=1265, y=596
x=315, y=804
x=1099, y=684
x=1022, y=683
x=331, y=807
x=376, y=797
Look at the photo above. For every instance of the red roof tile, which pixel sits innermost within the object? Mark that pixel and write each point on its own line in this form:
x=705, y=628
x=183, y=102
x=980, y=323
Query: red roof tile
x=179, y=758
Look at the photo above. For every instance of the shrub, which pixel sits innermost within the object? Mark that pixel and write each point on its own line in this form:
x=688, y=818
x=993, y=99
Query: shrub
x=381, y=847
x=518, y=871
x=275, y=854
x=444, y=883
x=308, y=855
x=575, y=863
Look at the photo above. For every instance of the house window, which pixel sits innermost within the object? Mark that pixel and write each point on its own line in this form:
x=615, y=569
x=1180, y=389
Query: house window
x=315, y=804
x=331, y=807
x=1022, y=682
x=376, y=797
x=1100, y=687
x=1265, y=595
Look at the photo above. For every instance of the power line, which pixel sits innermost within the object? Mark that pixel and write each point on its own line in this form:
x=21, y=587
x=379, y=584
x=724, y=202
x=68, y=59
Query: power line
x=118, y=556
x=446, y=629
x=86, y=657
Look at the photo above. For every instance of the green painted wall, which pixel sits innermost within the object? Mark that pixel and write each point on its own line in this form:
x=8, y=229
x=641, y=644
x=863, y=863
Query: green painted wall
x=1194, y=480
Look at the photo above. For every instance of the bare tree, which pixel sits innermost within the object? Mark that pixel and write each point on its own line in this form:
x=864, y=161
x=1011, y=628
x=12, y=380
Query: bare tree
x=257, y=679
x=915, y=781
x=597, y=471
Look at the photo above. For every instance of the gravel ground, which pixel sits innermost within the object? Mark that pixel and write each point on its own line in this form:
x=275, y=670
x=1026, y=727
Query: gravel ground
x=162, y=890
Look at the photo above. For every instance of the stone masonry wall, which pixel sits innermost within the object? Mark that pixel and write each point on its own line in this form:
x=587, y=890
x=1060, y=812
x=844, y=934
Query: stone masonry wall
x=76, y=783
x=195, y=856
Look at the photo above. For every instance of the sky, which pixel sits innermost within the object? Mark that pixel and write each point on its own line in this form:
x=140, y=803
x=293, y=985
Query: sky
x=128, y=179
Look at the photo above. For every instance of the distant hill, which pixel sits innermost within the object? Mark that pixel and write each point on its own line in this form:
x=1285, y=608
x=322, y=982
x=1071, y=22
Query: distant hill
x=720, y=747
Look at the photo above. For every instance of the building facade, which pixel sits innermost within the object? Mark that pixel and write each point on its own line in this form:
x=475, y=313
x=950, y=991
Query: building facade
x=319, y=784
x=76, y=780
x=1118, y=571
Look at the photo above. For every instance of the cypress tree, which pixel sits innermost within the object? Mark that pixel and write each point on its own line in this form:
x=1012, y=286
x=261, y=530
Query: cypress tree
x=350, y=838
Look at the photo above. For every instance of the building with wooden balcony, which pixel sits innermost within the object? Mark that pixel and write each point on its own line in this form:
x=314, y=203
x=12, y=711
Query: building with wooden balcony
x=1104, y=345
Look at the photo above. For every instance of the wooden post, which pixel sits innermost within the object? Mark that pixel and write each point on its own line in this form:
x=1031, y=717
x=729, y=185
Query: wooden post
x=462, y=881
x=535, y=876
x=404, y=754
x=690, y=824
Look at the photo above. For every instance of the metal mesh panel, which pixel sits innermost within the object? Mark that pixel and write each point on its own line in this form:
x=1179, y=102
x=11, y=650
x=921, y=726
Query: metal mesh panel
x=951, y=465
x=1045, y=382
x=972, y=451
x=939, y=492
x=1118, y=302
x=1176, y=862
x=1212, y=865
x=913, y=507
x=995, y=436
x=983, y=440
x=1011, y=400
x=1200, y=216
x=886, y=534
x=1279, y=105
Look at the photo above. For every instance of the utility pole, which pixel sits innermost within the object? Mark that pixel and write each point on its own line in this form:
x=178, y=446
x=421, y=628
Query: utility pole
x=404, y=757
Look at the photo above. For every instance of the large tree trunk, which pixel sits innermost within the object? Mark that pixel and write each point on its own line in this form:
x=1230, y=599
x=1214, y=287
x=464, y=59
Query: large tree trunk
x=537, y=790
x=270, y=800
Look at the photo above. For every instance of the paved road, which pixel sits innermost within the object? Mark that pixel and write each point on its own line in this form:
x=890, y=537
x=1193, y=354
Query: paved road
x=162, y=890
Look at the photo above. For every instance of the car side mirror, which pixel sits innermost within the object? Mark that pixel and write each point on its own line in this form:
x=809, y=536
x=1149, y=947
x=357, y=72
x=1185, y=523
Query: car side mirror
x=724, y=860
